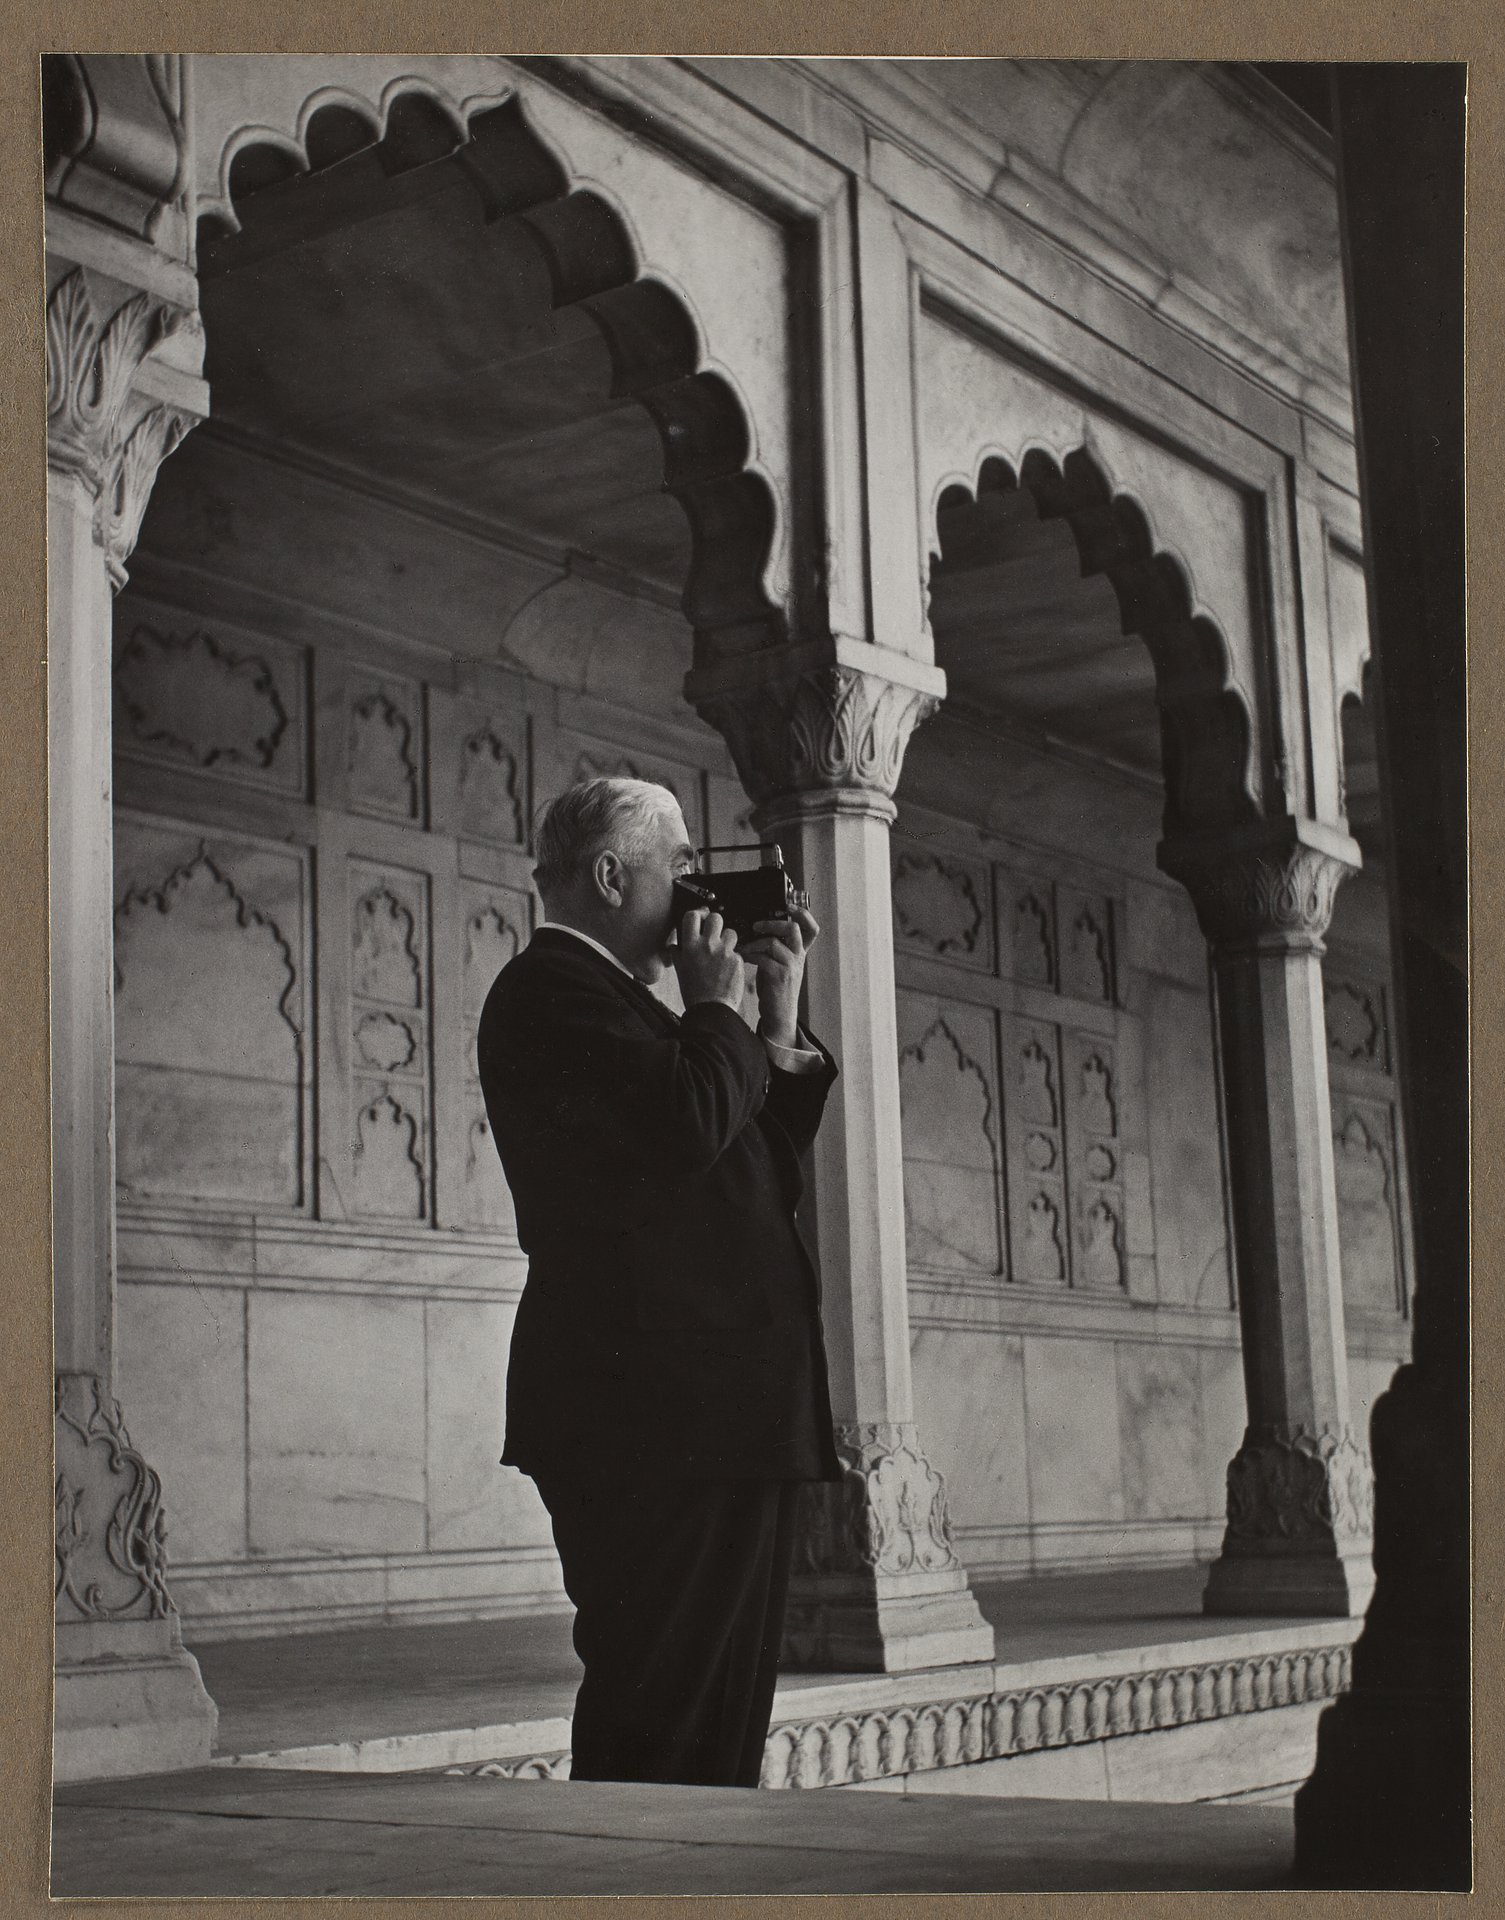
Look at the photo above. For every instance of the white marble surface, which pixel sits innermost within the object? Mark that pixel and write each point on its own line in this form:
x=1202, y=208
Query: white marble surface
x=1223, y=1419
x=1217, y=1757
x=1162, y=936
x=1186, y=1167
x=1071, y=1396
x=1067, y=1773
x=969, y=1403
x=1160, y=1428
x=473, y=1501
x=1367, y=1380
x=180, y=1359
x=336, y=1423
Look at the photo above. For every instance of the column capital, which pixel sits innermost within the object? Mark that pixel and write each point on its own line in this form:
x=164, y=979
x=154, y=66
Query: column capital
x=110, y=422
x=1300, y=1524
x=818, y=719
x=1271, y=894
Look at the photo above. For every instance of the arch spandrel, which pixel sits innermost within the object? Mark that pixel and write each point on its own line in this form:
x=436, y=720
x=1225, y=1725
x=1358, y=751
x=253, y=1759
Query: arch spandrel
x=975, y=404
x=276, y=108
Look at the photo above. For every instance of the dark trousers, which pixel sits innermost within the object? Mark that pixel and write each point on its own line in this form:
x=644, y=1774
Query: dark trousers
x=679, y=1591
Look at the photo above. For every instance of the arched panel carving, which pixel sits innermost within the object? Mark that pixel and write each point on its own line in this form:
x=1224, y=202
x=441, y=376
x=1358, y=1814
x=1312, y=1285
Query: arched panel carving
x=949, y=1103
x=209, y=1017
x=202, y=980
x=1368, y=1222
x=386, y=963
x=388, y=1162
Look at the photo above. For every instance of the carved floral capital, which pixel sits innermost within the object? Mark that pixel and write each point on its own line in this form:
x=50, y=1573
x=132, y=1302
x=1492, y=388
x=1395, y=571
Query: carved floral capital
x=888, y=1514
x=99, y=429
x=831, y=728
x=1292, y=1489
x=1247, y=899
x=110, y=1526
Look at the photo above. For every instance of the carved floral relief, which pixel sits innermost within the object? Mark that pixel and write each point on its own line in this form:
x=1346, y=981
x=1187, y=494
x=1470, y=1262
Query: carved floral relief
x=209, y=1018
x=390, y=1057
x=889, y=1514
x=190, y=698
x=940, y=905
x=497, y=922
x=99, y=428
x=385, y=752
x=1041, y=1255
x=111, y=1529
x=1087, y=960
x=1033, y=936
x=1356, y=1025
x=1291, y=1488
x=492, y=787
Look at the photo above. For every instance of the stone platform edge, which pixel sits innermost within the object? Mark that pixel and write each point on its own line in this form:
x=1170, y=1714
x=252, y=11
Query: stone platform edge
x=832, y=1733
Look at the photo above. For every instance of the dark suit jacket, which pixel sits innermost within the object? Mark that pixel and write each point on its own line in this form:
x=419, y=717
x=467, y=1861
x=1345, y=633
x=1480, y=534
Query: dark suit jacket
x=670, y=1322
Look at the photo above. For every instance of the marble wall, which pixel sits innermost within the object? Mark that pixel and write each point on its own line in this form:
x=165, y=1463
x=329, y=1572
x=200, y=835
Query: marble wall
x=321, y=863
x=1074, y=1333
x=323, y=784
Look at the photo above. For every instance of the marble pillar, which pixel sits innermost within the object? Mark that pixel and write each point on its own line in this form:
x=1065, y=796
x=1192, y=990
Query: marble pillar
x=123, y=388
x=819, y=744
x=1299, y=1526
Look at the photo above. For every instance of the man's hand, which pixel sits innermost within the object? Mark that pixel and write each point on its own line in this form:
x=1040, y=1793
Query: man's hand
x=779, y=948
x=707, y=962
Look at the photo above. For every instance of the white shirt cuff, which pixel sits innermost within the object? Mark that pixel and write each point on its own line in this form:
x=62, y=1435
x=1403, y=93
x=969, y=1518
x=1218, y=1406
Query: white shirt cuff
x=793, y=1059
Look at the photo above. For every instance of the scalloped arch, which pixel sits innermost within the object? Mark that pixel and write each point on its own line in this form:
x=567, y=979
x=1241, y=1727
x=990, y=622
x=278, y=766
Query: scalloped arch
x=587, y=243
x=999, y=469
x=1205, y=725
x=375, y=112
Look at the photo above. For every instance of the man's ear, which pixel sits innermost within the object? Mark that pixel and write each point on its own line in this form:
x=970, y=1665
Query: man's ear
x=608, y=874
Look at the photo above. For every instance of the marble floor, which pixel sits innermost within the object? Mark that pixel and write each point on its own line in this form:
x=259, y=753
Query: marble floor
x=372, y=1682
x=224, y=1831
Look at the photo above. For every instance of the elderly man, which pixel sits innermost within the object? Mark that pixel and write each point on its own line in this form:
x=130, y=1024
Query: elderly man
x=667, y=1384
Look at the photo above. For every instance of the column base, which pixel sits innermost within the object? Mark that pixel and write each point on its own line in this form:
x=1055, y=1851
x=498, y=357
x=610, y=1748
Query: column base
x=128, y=1700
x=883, y=1623
x=1300, y=1525
x=1327, y=1586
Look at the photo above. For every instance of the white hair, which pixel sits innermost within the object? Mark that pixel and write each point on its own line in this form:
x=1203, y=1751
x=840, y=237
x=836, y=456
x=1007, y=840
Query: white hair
x=594, y=816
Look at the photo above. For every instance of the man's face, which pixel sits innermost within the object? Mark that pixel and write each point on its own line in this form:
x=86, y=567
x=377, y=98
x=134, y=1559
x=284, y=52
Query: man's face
x=645, y=919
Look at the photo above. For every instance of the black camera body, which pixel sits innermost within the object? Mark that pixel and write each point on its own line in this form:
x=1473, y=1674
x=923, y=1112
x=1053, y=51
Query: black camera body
x=742, y=896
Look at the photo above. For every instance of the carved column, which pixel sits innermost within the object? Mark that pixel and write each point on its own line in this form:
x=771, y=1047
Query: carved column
x=122, y=389
x=1299, y=1488
x=819, y=743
